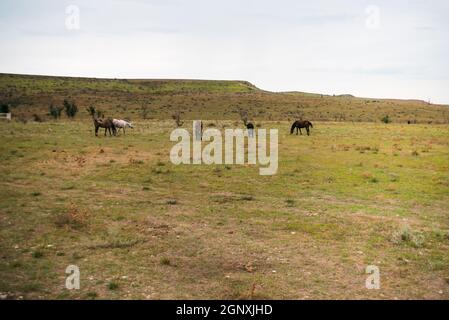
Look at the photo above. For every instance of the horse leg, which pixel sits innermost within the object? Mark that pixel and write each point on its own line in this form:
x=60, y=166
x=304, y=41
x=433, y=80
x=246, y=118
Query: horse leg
x=307, y=129
x=300, y=131
x=297, y=130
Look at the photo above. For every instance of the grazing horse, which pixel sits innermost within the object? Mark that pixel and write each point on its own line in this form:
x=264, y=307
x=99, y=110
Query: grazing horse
x=122, y=124
x=301, y=124
x=107, y=124
x=250, y=128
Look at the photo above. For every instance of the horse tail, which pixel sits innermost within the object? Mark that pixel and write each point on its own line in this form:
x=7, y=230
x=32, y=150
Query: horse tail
x=293, y=127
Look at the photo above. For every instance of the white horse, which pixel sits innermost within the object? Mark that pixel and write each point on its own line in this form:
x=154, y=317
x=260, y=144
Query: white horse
x=122, y=124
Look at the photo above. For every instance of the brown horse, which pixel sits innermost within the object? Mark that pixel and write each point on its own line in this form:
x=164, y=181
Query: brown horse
x=301, y=124
x=107, y=124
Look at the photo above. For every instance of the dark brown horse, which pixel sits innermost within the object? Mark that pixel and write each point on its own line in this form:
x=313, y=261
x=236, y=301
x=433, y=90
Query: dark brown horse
x=107, y=124
x=301, y=124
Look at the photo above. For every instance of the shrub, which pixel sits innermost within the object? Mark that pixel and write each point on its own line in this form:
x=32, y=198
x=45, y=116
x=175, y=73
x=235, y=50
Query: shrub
x=177, y=117
x=55, y=111
x=94, y=112
x=386, y=119
x=406, y=236
x=37, y=254
x=171, y=201
x=144, y=112
x=112, y=285
x=73, y=218
x=4, y=108
x=71, y=109
x=37, y=118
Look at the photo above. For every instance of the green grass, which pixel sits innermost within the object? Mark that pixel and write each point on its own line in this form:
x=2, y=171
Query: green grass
x=348, y=196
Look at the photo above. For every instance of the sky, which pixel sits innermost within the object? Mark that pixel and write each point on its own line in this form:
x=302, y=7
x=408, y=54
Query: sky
x=378, y=48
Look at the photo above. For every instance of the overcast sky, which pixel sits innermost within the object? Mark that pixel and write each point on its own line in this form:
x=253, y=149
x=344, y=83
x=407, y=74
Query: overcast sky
x=379, y=48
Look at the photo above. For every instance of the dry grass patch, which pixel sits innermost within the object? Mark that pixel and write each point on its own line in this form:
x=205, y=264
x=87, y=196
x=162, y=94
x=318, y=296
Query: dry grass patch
x=73, y=218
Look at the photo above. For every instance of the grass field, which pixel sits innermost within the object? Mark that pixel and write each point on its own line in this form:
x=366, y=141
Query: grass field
x=348, y=196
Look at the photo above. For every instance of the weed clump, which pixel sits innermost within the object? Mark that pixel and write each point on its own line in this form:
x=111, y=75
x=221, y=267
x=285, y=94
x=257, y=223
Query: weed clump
x=386, y=119
x=290, y=202
x=165, y=261
x=73, y=218
x=38, y=254
x=171, y=202
x=112, y=285
x=406, y=236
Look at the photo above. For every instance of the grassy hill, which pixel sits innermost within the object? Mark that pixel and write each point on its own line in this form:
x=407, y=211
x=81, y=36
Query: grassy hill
x=205, y=99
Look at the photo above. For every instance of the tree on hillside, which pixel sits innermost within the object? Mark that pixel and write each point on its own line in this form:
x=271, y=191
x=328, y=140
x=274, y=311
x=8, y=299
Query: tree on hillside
x=94, y=112
x=144, y=111
x=55, y=111
x=71, y=109
x=177, y=117
x=386, y=119
x=4, y=108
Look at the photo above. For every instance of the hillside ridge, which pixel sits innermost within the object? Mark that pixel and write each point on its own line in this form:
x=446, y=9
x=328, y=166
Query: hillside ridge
x=199, y=98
